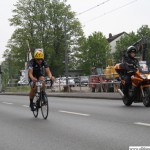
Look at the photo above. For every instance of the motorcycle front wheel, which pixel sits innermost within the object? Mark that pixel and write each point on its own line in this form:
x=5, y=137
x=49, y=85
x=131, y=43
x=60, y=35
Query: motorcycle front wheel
x=146, y=98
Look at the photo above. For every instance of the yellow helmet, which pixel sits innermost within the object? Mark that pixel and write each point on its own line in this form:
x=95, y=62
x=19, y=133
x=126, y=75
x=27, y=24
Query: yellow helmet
x=38, y=54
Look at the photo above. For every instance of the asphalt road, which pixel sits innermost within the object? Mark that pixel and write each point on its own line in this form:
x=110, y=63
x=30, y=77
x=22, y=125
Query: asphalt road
x=73, y=124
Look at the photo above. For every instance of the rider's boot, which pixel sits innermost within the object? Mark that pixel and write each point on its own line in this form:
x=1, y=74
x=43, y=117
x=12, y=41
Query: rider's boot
x=32, y=105
x=125, y=92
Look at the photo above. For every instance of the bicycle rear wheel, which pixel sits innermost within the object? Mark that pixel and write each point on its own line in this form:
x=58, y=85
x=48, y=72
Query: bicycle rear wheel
x=44, y=106
x=36, y=110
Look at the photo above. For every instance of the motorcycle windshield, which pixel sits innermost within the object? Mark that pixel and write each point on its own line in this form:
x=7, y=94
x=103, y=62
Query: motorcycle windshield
x=144, y=67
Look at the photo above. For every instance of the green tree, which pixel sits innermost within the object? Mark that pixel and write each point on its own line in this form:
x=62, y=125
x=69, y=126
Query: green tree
x=144, y=32
x=122, y=45
x=94, y=52
x=41, y=23
x=130, y=39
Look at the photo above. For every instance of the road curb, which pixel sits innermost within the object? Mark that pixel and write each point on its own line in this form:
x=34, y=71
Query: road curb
x=113, y=96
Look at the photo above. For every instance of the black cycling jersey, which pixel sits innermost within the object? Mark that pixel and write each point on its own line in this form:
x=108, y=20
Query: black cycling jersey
x=38, y=70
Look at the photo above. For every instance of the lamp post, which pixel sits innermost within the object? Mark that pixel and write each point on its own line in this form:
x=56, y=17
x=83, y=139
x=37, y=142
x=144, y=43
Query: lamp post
x=0, y=79
x=66, y=54
x=144, y=50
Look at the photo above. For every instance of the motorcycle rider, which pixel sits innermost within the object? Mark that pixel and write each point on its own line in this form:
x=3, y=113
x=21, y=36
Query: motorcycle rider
x=130, y=62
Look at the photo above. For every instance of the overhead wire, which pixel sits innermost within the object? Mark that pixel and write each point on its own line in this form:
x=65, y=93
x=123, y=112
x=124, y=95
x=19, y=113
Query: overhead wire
x=111, y=11
x=93, y=7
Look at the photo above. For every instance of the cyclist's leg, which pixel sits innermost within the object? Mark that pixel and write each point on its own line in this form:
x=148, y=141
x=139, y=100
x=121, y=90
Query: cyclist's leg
x=31, y=95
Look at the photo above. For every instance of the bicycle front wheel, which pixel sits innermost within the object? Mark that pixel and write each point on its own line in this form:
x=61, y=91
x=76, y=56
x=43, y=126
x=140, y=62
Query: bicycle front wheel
x=36, y=108
x=44, y=106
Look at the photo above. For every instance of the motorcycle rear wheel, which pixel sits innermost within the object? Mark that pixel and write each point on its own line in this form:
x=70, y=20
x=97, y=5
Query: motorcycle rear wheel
x=127, y=101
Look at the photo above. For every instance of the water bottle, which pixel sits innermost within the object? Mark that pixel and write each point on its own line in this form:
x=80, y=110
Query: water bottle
x=37, y=95
x=38, y=89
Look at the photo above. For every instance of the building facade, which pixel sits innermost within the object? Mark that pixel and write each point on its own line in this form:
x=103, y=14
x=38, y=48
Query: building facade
x=113, y=40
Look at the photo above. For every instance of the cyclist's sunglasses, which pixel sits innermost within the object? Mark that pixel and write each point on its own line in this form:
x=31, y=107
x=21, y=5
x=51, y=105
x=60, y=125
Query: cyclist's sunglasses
x=38, y=59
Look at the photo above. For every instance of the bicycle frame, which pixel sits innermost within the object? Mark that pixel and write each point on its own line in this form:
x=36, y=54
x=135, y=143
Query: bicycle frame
x=41, y=100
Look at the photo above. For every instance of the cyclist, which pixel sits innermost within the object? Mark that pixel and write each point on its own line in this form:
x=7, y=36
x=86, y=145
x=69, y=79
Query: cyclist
x=36, y=72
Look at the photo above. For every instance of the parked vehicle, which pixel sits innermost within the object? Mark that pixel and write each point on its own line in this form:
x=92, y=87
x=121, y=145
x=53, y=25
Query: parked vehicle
x=81, y=80
x=23, y=82
x=77, y=80
x=62, y=81
x=84, y=80
x=70, y=81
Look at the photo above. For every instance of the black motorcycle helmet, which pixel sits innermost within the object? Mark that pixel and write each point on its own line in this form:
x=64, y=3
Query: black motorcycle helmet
x=131, y=49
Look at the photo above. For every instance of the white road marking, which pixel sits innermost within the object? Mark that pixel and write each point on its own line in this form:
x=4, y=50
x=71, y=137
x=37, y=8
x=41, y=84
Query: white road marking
x=142, y=124
x=25, y=106
x=7, y=103
x=74, y=113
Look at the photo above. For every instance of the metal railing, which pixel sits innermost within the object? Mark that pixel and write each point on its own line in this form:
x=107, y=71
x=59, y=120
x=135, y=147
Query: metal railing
x=103, y=84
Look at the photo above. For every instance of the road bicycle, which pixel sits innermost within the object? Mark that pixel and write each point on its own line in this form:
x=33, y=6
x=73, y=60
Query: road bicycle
x=40, y=100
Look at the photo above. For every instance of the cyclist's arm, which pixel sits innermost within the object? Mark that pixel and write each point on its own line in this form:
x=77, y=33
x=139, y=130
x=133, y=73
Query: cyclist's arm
x=30, y=74
x=49, y=74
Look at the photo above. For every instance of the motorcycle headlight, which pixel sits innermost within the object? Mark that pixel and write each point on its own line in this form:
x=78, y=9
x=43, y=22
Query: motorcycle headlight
x=143, y=76
x=148, y=76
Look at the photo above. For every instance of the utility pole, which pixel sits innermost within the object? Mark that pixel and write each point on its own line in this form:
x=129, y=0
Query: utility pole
x=66, y=54
x=144, y=50
x=10, y=69
x=0, y=79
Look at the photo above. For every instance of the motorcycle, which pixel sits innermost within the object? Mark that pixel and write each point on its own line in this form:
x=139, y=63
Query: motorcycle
x=139, y=90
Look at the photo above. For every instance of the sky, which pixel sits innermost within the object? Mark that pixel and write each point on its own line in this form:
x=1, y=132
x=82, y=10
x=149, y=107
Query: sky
x=106, y=16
